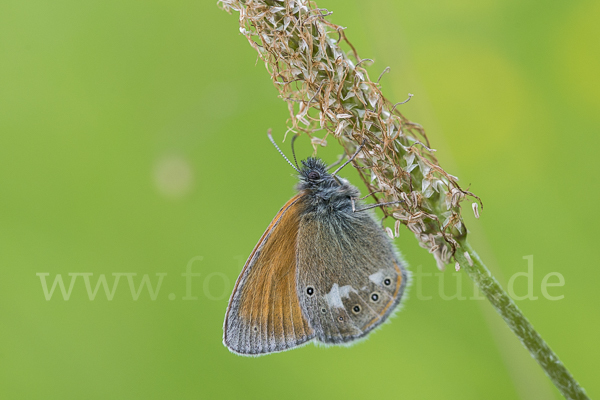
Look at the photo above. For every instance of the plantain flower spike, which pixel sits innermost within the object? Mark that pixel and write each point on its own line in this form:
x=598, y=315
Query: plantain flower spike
x=328, y=89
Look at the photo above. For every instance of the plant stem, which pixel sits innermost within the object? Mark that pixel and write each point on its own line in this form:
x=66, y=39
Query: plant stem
x=328, y=91
x=519, y=324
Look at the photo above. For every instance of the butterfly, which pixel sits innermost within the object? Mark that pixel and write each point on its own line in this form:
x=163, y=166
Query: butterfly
x=324, y=270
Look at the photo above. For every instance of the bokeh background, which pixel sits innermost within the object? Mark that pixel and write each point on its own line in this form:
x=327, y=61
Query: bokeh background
x=132, y=140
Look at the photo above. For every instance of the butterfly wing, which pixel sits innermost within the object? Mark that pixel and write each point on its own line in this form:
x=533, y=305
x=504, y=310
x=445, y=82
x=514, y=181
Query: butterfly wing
x=264, y=313
x=350, y=278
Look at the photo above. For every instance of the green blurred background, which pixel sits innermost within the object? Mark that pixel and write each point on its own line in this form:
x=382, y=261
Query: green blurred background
x=132, y=139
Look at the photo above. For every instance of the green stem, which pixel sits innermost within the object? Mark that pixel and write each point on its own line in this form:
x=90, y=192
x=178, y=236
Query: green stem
x=517, y=322
x=305, y=63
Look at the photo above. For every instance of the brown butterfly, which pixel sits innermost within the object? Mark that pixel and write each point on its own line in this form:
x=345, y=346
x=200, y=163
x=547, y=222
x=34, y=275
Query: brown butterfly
x=323, y=270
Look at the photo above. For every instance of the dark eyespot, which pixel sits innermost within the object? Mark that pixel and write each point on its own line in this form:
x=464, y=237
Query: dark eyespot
x=323, y=310
x=313, y=175
x=387, y=282
x=340, y=319
x=255, y=329
x=356, y=309
x=375, y=297
x=310, y=291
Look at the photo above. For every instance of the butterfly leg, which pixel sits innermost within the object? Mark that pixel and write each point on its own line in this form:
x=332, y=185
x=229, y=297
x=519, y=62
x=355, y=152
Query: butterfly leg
x=336, y=163
x=351, y=158
x=354, y=209
x=370, y=194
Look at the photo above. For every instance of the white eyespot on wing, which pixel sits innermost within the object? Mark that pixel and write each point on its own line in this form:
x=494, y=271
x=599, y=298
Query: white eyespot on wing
x=377, y=277
x=334, y=297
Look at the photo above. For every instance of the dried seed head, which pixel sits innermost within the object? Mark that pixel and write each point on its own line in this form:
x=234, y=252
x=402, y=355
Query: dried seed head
x=328, y=88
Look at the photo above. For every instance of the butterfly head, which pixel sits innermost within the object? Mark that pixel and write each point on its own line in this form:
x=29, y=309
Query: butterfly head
x=313, y=175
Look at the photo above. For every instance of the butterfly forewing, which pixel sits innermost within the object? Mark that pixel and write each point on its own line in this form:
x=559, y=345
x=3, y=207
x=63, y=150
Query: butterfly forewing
x=264, y=313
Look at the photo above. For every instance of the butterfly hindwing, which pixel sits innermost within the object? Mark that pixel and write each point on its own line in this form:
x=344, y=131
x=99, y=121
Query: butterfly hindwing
x=353, y=272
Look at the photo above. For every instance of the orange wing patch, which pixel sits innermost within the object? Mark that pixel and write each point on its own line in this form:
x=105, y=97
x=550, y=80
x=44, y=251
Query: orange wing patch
x=264, y=313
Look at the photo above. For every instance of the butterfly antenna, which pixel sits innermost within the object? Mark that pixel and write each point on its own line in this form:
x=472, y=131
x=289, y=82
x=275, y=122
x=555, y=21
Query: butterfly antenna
x=281, y=152
x=294, y=152
x=350, y=159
